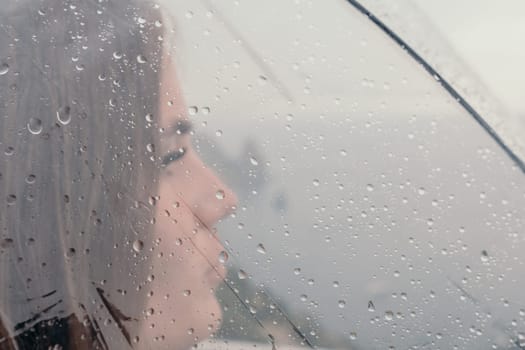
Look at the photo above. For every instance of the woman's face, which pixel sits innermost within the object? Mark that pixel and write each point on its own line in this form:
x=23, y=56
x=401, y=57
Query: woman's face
x=188, y=260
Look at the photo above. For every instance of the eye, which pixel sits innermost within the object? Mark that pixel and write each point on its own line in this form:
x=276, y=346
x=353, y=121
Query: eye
x=183, y=127
x=173, y=156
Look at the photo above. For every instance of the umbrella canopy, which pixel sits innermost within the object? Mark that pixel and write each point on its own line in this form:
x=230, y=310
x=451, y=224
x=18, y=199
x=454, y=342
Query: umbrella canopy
x=239, y=174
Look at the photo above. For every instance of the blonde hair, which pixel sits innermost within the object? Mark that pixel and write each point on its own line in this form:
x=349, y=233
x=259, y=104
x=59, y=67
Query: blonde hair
x=79, y=84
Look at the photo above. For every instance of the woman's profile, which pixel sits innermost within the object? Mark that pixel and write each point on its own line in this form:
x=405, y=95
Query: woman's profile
x=106, y=238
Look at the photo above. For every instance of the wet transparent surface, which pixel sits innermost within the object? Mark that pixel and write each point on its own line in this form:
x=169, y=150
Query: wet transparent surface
x=387, y=215
x=371, y=212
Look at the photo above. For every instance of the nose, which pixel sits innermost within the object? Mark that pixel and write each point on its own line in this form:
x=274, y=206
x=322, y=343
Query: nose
x=209, y=198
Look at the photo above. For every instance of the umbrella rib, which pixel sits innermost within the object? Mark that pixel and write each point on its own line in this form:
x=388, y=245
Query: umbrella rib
x=445, y=84
x=232, y=289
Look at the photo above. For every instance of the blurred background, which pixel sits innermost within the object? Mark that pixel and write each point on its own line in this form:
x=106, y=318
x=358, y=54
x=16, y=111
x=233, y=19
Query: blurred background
x=374, y=212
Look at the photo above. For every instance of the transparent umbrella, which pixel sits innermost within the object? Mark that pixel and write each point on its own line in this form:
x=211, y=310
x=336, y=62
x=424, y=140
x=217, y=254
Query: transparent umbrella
x=247, y=174
x=370, y=186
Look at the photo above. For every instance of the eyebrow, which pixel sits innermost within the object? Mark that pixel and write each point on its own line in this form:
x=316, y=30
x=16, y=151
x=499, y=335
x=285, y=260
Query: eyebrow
x=182, y=127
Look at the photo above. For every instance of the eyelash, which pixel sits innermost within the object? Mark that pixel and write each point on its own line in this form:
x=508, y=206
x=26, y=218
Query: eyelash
x=173, y=156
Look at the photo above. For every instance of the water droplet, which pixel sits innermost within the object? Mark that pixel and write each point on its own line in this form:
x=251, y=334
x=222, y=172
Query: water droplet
x=150, y=147
x=335, y=284
x=262, y=80
x=370, y=187
x=341, y=304
x=484, y=256
x=218, y=133
x=30, y=179
x=297, y=271
x=4, y=68
x=152, y=200
x=34, y=126
x=254, y=161
x=353, y=336
x=303, y=297
x=64, y=115
x=71, y=252
x=150, y=311
x=205, y=110
x=223, y=257
x=186, y=293
x=342, y=152
x=189, y=14
x=389, y=315
x=141, y=59
x=11, y=199
x=421, y=191
x=371, y=306
x=316, y=182
x=149, y=118
x=261, y=249
x=138, y=245
x=192, y=110
x=6, y=243
x=521, y=339
x=9, y=151
x=242, y=274
x=220, y=194
x=117, y=55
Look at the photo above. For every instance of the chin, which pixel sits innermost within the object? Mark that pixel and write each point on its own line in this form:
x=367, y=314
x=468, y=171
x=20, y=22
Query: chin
x=204, y=319
x=210, y=319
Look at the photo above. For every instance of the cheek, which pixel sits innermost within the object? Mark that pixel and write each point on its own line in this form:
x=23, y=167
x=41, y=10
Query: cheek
x=167, y=201
x=171, y=213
